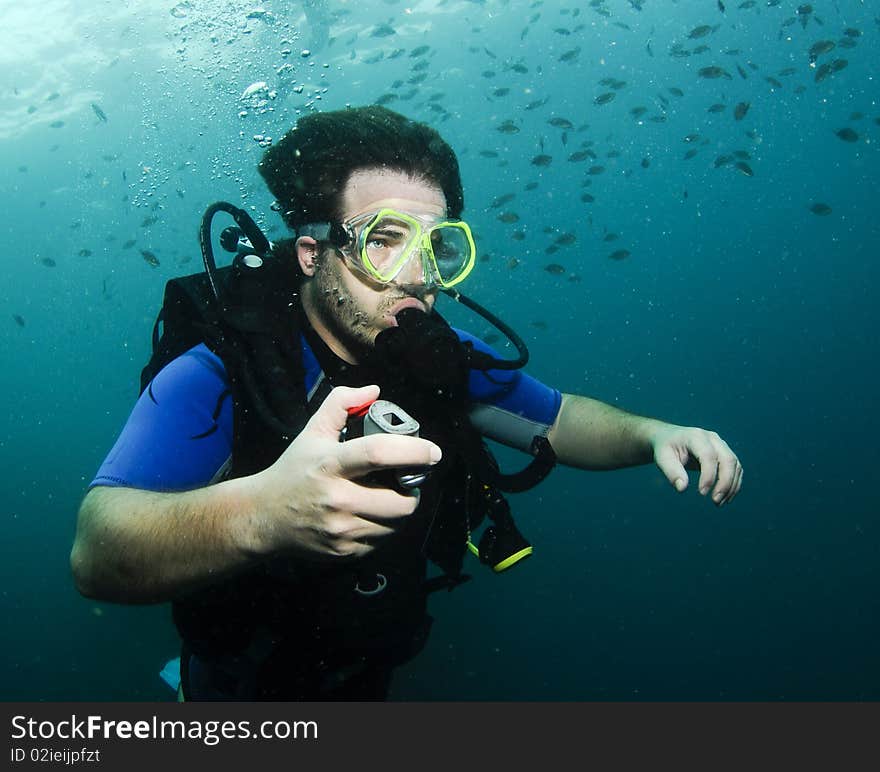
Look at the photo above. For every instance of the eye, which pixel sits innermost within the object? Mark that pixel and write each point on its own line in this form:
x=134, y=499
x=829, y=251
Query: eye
x=375, y=242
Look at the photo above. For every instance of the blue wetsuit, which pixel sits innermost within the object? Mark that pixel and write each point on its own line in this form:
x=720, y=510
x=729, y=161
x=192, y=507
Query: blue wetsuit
x=179, y=437
x=179, y=434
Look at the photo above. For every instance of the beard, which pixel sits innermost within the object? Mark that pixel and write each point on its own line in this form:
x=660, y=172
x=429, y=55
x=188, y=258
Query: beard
x=341, y=312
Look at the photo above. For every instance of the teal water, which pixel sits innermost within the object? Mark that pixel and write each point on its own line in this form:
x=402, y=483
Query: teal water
x=738, y=308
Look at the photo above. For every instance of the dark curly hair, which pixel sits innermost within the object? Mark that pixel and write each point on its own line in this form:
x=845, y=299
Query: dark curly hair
x=309, y=166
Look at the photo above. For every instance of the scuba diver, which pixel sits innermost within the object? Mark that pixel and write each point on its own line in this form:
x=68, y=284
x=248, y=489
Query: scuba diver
x=311, y=433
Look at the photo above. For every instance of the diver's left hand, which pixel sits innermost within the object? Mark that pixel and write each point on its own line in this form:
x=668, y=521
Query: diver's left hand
x=677, y=448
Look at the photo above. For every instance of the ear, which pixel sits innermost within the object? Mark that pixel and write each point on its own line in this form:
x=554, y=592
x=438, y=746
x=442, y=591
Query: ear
x=306, y=253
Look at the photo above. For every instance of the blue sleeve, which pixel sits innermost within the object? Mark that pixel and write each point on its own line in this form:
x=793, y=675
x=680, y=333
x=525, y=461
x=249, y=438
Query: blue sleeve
x=513, y=407
x=179, y=433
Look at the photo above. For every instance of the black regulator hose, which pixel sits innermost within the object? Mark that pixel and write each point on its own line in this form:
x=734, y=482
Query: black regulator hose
x=244, y=221
x=481, y=361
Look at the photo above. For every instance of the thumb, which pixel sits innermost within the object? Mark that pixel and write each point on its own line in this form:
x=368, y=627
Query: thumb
x=671, y=465
x=331, y=416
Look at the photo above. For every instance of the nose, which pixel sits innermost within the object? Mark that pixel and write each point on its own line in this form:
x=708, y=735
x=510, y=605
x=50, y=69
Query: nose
x=417, y=270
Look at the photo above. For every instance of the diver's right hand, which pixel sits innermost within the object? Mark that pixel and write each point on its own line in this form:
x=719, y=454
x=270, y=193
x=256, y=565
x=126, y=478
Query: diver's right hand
x=309, y=501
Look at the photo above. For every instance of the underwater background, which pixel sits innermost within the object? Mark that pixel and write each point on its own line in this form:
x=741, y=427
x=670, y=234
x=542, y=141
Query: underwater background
x=676, y=205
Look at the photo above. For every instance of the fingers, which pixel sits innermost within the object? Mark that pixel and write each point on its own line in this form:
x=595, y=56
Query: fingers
x=720, y=469
x=671, y=465
x=331, y=416
x=359, y=457
x=357, y=518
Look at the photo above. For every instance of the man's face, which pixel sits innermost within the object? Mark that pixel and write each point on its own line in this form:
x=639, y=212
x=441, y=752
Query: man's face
x=347, y=307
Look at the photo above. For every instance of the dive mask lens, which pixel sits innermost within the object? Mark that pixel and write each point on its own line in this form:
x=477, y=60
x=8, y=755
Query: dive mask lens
x=386, y=242
x=390, y=239
x=452, y=251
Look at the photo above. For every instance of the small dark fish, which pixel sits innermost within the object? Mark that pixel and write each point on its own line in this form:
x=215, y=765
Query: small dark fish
x=552, y=249
x=508, y=127
x=691, y=153
x=587, y=198
x=129, y=244
x=562, y=123
x=838, y=64
x=723, y=160
x=85, y=253
x=542, y=160
x=555, y=269
x=383, y=31
x=580, y=155
x=48, y=262
x=18, y=320
x=537, y=103
x=717, y=108
x=646, y=162
x=820, y=47
x=148, y=221
x=571, y=55
x=508, y=217
x=531, y=186
x=520, y=68
x=821, y=209
x=513, y=263
x=745, y=169
x=566, y=239
x=772, y=81
x=419, y=51
x=518, y=235
x=150, y=258
x=742, y=73
x=637, y=112
x=713, y=72
x=847, y=135
x=500, y=92
x=609, y=237
x=619, y=254
x=739, y=112
x=701, y=31
x=822, y=72
x=594, y=170
x=675, y=91
x=488, y=154
x=852, y=32
x=502, y=200
x=604, y=99
x=721, y=6
x=56, y=124
x=562, y=31
x=99, y=112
